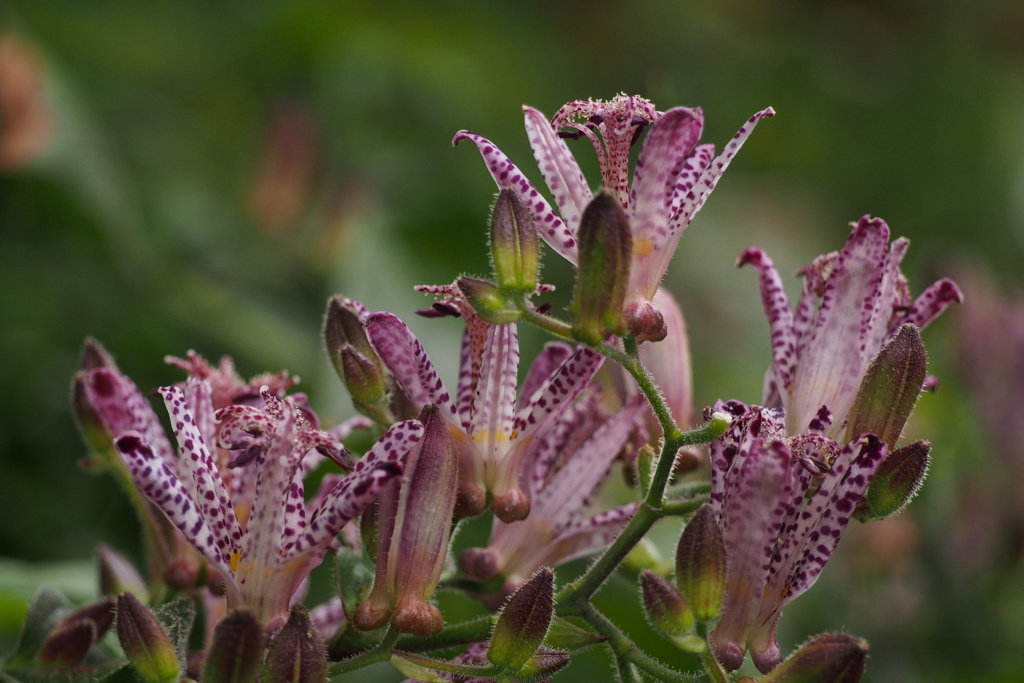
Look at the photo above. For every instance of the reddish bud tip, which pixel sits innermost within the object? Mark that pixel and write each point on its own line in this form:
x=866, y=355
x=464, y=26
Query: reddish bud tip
x=831, y=657
x=523, y=622
x=417, y=617
x=68, y=643
x=479, y=563
x=511, y=506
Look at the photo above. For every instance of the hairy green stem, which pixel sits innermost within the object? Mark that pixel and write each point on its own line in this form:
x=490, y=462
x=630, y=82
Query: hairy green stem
x=462, y=633
x=626, y=649
x=380, y=652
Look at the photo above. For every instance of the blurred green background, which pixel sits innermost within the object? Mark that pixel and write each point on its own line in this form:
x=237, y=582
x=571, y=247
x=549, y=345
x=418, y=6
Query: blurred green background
x=204, y=175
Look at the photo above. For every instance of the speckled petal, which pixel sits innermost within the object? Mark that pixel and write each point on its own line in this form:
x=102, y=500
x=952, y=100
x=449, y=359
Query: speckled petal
x=780, y=318
x=328, y=618
x=207, y=488
x=123, y=408
x=393, y=445
x=563, y=386
x=558, y=166
x=405, y=357
x=551, y=228
x=933, y=301
x=157, y=482
x=495, y=401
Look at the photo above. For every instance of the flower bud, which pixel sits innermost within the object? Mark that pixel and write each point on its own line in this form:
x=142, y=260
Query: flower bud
x=523, y=622
x=896, y=482
x=605, y=251
x=665, y=606
x=236, y=652
x=515, y=249
x=117, y=574
x=544, y=664
x=145, y=642
x=828, y=658
x=70, y=640
x=700, y=564
x=890, y=388
x=489, y=302
x=354, y=360
x=297, y=654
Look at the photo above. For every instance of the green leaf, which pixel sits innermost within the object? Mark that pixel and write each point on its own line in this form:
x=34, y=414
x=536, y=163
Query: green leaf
x=353, y=577
x=177, y=618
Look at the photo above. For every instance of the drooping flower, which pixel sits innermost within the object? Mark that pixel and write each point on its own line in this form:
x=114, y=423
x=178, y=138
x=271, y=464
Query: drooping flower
x=673, y=177
x=568, y=462
x=853, y=301
x=782, y=504
x=491, y=429
x=259, y=533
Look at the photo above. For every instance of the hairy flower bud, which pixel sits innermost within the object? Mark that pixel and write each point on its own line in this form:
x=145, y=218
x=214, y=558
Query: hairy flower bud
x=664, y=605
x=354, y=360
x=545, y=663
x=523, y=622
x=828, y=658
x=70, y=640
x=896, y=482
x=488, y=300
x=145, y=642
x=700, y=564
x=236, y=652
x=890, y=387
x=605, y=250
x=515, y=249
x=297, y=654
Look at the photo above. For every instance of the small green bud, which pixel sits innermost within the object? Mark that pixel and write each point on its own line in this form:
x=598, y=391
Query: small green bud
x=362, y=377
x=354, y=360
x=700, y=564
x=896, y=482
x=664, y=605
x=343, y=326
x=236, y=652
x=489, y=302
x=828, y=658
x=890, y=388
x=644, y=555
x=145, y=642
x=605, y=253
x=523, y=622
x=515, y=248
x=297, y=654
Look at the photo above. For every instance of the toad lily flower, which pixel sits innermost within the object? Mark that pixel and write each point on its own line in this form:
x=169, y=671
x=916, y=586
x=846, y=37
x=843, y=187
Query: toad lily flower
x=264, y=553
x=853, y=301
x=673, y=177
x=491, y=435
x=569, y=461
x=782, y=504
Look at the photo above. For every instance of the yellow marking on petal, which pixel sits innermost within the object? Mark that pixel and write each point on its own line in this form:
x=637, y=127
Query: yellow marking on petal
x=643, y=246
x=488, y=436
x=235, y=557
x=242, y=512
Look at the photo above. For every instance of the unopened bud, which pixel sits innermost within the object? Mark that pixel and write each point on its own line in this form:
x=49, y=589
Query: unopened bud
x=664, y=605
x=68, y=643
x=896, y=482
x=890, y=388
x=297, y=654
x=145, y=642
x=544, y=664
x=480, y=564
x=828, y=658
x=354, y=360
x=489, y=302
x=700, y=564
x=515, y=248
x=343, y=326
x=605, y=251
x=236, y=652
x=117, y=574
x=523, y=622
x=362, y=377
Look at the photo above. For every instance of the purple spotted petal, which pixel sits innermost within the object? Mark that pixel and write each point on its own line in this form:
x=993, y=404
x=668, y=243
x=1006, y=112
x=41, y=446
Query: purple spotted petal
x=206, y=488
x=695, y=200
x=156, y=481
x=547, y=362
x=832, y=365
x=563, y=386
x=345, y=502
x=780, y=319
x=933, y=301
x=328, y=618
x=558, y=166
x=393, y=446
x=506, y=174
x=123, y=408
x=405, y=357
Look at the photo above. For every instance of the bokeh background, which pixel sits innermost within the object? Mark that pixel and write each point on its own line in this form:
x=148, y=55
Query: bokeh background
x=203, y=176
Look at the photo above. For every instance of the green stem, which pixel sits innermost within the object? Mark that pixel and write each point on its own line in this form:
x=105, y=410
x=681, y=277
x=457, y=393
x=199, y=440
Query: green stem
x=680, y=508
x=625, y=649
x=378, y=653
x=711, y=665
x=558, y=328
x=462, y=633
